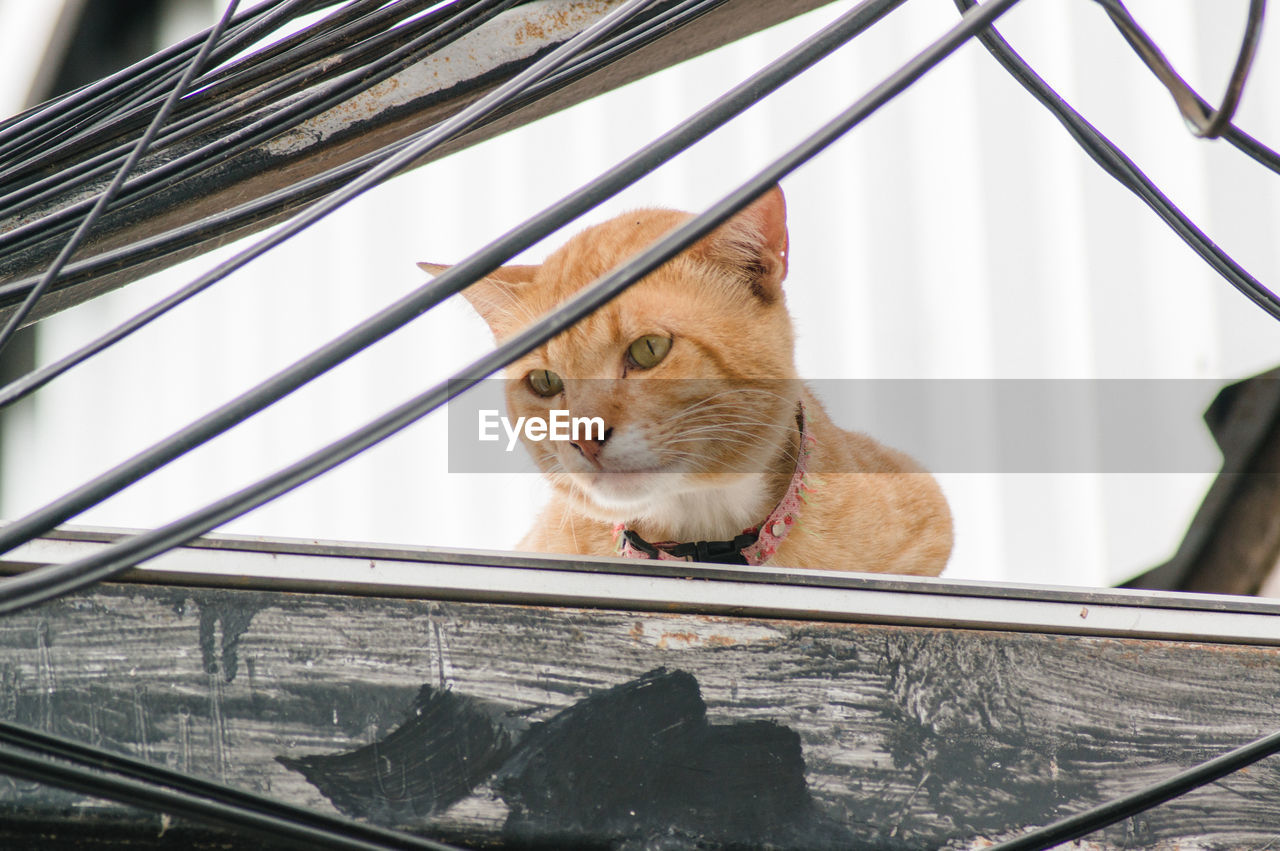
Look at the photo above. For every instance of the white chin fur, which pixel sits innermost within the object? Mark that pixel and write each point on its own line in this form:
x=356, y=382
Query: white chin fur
x=623, y=494
x=677, y=509
x=662, y=497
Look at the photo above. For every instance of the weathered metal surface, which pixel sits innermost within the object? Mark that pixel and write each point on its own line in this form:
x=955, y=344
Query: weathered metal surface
x=517, y=725
x=419, y=97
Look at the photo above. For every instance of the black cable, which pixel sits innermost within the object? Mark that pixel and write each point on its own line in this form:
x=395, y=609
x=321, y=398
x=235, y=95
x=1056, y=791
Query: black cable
x=32, y=128
x=134, y=90
x=201, y=115
x=193, y=233
x=1241, y=140
x=31, y=767
x=1082, y=824
x=232, y=143
x=343, y=28
x=45, y=583
x=400, y=313
x=1119, y=166
x=44, y=758
x=307, y=190
x=1204, y=121
x=192, y=162
x=103, y=200
x=244, y=406
x=1252, y=148
x=363, y=29
x=311, y=189
x=100, y=102
x=189, y=163
x=626, y=42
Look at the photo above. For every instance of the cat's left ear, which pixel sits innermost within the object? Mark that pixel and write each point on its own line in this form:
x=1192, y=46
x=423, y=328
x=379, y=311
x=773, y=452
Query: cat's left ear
x=754, y=243
x=494, y=296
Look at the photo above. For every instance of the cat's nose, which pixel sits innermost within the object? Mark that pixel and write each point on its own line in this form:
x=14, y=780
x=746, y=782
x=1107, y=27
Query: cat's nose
x=590, y=447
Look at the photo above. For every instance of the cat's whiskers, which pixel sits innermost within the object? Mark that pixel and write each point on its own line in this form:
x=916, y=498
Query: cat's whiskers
x=724, y=424
x=566, y=516
x=695, y=462
x=765, y=432
x=734, y=401
x=727, y=421
x=737, y=394
x=750, y=444
x=734, y=421
x=711, y=403
x=699, y=435
x=730, y=421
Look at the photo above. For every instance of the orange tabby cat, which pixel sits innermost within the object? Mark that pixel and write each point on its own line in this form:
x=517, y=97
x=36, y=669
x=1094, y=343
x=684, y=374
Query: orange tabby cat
x=738, y=454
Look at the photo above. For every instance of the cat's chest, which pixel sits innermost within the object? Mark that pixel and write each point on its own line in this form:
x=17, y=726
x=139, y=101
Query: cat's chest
x=707, y=513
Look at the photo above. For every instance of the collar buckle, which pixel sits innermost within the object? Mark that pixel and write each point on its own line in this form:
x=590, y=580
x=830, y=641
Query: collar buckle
x=712, y=552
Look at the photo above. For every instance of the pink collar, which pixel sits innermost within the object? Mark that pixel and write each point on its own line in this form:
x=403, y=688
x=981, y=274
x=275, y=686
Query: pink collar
x=754, y=546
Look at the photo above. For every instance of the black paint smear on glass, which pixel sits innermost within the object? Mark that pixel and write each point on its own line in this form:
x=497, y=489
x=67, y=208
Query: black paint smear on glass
x=626, y=767
x=219, y=649
x=448, y=745
x=641, y=757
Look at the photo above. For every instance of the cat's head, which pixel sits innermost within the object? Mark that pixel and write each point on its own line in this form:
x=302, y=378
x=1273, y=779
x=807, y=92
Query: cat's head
x=689, y=372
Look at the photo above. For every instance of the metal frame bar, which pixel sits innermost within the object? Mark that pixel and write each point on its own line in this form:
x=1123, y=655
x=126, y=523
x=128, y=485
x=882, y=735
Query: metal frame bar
x=285, y=565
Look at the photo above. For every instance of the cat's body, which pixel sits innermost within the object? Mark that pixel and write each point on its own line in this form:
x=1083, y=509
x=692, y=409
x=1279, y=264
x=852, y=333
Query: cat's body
x=691, y=372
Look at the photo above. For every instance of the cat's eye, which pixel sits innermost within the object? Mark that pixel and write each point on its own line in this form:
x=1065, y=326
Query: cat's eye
x=648, y=351
x=544, y=382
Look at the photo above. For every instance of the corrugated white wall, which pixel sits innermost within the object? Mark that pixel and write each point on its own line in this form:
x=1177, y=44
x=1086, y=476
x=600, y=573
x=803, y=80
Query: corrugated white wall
x=958, y=234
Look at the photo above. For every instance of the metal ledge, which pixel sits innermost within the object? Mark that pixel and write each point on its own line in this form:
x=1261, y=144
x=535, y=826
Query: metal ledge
x=586, y=582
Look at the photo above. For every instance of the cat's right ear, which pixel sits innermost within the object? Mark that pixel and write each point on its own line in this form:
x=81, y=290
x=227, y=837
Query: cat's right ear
x=494, y=296
x=754, y=244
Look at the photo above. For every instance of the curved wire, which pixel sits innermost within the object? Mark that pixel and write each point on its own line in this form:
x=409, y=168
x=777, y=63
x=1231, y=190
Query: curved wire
x=400, y=313
x=1236, y=137
x=1114, y=162
x=100, y=205
x=56, y=761
x=1204, y=121
x=45, y=583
